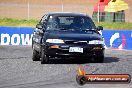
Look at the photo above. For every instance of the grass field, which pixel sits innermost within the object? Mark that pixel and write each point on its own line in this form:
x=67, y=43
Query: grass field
x=18, y=22
x=33, y=22
x=116, y=25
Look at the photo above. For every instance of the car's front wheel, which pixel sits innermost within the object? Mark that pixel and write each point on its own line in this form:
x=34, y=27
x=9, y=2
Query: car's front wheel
x=44, y=58
x=35, y=55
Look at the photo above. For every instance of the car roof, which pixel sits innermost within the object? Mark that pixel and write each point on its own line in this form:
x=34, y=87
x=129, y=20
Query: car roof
x=66, y=14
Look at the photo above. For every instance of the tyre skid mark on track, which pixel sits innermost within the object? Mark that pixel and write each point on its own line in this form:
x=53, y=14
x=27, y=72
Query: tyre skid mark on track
x=96, y=69
x=41, y=83
x=13, y=58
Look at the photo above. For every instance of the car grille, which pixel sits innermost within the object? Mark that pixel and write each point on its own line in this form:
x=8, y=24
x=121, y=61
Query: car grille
x=75, y=42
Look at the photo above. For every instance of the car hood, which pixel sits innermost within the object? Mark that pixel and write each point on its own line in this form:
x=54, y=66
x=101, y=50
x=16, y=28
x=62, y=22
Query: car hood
x=73, y=35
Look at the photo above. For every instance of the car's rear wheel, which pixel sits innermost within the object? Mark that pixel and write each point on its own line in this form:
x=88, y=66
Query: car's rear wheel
x=44, y=58
x=35, y=56
x=99, y=59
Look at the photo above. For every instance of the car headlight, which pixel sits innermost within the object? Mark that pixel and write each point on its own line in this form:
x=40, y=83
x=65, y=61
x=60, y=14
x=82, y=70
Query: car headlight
x=54, y=41
x=96, y=42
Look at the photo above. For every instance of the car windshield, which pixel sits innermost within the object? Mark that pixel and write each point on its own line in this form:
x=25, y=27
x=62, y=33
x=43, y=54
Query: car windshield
x=70, y=23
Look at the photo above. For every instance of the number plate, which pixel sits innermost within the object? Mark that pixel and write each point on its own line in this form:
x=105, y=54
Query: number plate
x=76, y=49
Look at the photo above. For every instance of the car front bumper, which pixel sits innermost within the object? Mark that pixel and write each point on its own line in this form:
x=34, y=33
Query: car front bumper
x=63, y=51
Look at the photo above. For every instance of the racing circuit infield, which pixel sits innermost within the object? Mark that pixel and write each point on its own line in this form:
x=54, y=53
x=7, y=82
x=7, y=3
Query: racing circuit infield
x=17, y=70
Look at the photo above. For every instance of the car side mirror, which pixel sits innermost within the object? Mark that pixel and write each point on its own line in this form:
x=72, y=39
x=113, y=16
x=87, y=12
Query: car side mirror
x=99, y=28
x=41, y=32
x=39, y=26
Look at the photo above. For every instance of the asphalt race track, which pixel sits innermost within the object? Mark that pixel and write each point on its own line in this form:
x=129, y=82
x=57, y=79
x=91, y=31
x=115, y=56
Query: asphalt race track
x=17, y=70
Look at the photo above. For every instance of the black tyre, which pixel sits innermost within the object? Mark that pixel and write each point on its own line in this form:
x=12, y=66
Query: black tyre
x=35, y=56
x=99, y=59
x=44, y=58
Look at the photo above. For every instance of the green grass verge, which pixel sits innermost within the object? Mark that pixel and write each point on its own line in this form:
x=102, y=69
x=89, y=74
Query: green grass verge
x=18, y=22
x=116, y=25
x=33, y=22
